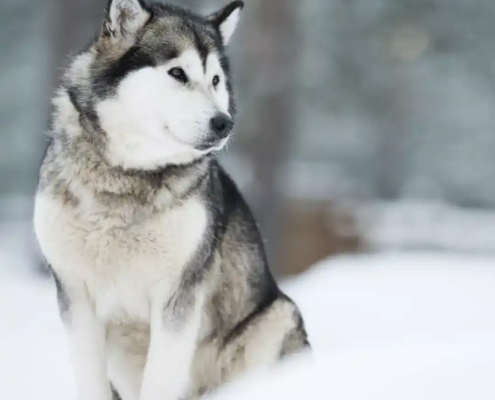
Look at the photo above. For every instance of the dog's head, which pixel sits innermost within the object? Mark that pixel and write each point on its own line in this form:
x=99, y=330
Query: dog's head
x=156, y=85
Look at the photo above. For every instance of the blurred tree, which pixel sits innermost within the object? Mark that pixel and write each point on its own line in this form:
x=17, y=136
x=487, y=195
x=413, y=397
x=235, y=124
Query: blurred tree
x=74, y=24
x=270, y=63
x=23, y=101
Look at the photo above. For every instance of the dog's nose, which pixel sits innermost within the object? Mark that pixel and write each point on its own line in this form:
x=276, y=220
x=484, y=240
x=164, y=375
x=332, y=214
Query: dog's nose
x=221, y=125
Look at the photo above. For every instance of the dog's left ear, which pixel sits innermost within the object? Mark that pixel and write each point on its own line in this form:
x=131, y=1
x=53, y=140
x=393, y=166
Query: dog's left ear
x=225, y=20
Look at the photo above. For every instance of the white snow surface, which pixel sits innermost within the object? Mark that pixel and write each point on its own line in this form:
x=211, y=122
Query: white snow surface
x=384, y=326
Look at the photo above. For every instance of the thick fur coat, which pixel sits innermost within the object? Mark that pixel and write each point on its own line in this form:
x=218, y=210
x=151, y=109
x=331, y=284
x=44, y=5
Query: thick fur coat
x=162, y=279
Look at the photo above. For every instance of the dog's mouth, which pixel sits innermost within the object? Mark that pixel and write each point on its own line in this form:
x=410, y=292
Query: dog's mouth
x=210, y=146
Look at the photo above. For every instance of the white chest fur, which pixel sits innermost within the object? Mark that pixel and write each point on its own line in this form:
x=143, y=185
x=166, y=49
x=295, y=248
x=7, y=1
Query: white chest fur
x=119, y=266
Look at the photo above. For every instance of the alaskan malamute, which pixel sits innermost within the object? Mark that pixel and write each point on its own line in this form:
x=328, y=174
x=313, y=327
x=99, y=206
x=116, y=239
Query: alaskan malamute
x=162, y=278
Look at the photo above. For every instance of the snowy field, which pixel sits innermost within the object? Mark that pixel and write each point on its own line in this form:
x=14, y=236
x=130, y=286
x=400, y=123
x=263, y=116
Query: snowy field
x=388, y=326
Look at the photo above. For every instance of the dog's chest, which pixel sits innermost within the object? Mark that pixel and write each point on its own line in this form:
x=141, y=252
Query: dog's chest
x=121, y=267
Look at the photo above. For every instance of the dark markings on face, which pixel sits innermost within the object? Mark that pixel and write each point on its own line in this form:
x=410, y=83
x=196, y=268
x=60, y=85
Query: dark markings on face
x=201, y=47
x=169, y=31
x=113, y=73
x=225, y=64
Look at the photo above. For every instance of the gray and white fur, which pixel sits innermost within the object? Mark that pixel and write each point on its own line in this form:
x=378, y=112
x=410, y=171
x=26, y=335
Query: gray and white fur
x=162, y=279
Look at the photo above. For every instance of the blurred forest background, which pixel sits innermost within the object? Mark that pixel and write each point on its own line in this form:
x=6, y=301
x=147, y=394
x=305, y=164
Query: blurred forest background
x=363, y=124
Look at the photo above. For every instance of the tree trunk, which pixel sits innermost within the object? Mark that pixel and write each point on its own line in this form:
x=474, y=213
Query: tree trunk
x=272, y=60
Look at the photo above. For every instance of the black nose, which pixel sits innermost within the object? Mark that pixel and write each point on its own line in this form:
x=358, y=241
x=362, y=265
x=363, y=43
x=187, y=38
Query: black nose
x=221, y=125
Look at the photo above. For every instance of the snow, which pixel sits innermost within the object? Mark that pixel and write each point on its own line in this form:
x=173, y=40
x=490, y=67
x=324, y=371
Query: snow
x=34, y=359
x=383, y=326
x=389, y=326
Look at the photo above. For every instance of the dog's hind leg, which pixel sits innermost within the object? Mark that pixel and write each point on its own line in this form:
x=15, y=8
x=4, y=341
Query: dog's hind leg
x=262, y=339
x=271, y=334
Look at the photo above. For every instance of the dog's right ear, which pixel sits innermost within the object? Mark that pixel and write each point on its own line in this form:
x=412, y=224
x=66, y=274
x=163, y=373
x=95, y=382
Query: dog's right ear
x=124, y=19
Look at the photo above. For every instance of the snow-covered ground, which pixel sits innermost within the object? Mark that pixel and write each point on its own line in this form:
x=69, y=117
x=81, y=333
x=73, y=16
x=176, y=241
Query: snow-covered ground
x=385, y=326
x=388, y=327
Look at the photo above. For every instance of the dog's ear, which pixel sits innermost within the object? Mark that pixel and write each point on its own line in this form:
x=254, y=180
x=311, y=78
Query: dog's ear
x=124, y=19
x=225, y=20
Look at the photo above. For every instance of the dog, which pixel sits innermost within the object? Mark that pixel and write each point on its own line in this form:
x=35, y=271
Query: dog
x=162, y=279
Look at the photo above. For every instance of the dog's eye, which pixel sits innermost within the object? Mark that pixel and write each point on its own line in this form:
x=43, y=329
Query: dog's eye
x=216, y=80
x=179, y=74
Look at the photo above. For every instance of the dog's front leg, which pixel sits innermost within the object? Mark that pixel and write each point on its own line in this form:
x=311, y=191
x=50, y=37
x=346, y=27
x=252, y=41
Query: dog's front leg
x=86, y=338
x=174, y=330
